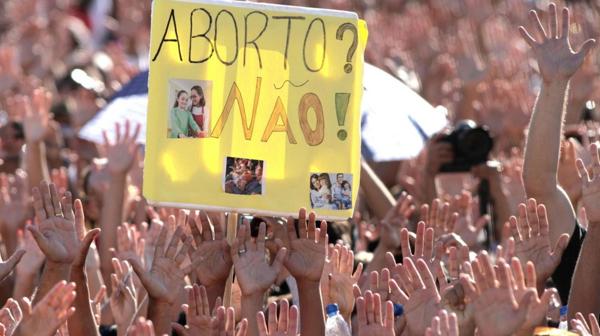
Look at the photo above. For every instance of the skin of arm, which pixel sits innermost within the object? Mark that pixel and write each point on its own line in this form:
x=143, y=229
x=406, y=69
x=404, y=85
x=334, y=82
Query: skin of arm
x=35, y=159
x=53, y=273
x=557, y=63
x=501, y=206
x=82, y=322
x=585, y=293
x=121, y=156
x=541, y=157
x=24, y=284
x=111, y=216
x=251, y=305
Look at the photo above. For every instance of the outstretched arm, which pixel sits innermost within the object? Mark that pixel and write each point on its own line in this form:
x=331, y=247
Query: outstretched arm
x=557, y=63
x=585, y=293
x=121, y=155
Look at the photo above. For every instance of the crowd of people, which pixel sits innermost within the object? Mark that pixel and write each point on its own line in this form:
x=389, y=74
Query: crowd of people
x=243, y=176
x=424, y=254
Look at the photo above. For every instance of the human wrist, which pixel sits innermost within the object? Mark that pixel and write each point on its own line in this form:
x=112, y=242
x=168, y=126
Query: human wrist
x=57, y=267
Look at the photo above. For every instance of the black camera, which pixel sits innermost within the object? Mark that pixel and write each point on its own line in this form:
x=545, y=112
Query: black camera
x=471, y=145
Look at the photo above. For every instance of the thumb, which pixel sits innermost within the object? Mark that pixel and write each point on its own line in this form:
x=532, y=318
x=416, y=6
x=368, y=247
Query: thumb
x=140, y=271
x=559, y=249
x=586, y=47
x=14, y=260
x=40, y=239
x=279, y=259
x=85, y=246
x=179, y=329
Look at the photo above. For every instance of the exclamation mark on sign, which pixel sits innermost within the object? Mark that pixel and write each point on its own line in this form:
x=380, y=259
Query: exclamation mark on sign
x=341, y=108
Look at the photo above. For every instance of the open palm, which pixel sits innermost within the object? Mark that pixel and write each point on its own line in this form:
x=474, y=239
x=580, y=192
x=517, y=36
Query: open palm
x=58, y=232
x=167, y=274
x=307, y=250
x=556, y=59
x=253, y=272
x=531, y=233
x=212, y=253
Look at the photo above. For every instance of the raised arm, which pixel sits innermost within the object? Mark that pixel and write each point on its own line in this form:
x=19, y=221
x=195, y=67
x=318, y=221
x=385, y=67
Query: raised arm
x=35, y=123
x=585, y=292
x=121, y=155
x=557, y=63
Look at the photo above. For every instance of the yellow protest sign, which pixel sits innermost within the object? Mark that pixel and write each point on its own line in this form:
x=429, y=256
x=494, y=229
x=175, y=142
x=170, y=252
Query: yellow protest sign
x=254, y=107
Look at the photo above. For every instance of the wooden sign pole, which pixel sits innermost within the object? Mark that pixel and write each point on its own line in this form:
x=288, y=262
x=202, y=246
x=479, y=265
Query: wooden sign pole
x=232, y=220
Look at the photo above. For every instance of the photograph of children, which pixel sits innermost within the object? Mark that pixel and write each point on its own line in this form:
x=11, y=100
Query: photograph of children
x=189, y=108
x=243, y=176
x=325, y=194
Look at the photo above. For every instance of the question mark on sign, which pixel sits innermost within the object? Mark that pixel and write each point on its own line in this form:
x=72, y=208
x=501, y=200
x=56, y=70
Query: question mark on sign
x=340, y=36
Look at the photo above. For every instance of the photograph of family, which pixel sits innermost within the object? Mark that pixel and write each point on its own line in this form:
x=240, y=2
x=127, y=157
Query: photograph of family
x=327, y=195
x=243, y=176
x=189, y=108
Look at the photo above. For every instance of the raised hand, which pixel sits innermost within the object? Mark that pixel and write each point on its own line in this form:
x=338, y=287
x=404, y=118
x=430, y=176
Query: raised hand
x=200, y=320
x=496, y=310
x=581, y=326
x=371, y=321
x=454, y=266
x=556, y=59
x=48, y=314
x=253, y=272
x=122, y=153
x=523, y=283
x=286, y=324
x=338, y=280
x=468, y=229
x=123, y=299
x=128, y=244
x=424, y=247
x=307, y=249
x=591, y=186
x=421, y=300
x=37, y=115
x=532, y=239
x=444, y=324
x=395, y=220
x=15, y=206
x=61, y=228
x=438, y=217
x=226, y=325
x=212, y=253
x=166, y=275
x=10, y=316
x=7, y=266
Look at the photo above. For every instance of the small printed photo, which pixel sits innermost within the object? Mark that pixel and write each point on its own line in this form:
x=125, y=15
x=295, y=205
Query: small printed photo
x=331, y=191
x=189, y=108
x=243, y=176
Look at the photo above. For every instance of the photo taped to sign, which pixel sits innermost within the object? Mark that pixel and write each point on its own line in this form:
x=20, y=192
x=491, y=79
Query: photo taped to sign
x=189, y=108
x=243, y=176
x=331, y=191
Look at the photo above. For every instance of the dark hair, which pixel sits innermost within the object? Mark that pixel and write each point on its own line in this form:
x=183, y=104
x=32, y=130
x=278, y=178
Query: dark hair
x=313, y=176
x=178, y=94
x=346, y=182
x=325, y=176
x=198, y=89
